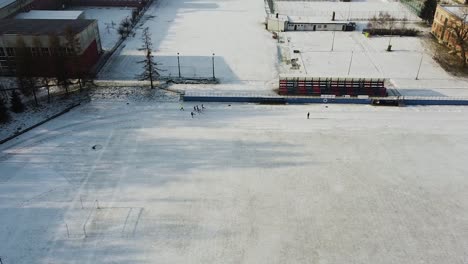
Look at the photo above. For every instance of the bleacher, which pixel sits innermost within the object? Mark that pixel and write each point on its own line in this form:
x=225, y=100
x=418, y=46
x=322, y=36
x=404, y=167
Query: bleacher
x=317, y=86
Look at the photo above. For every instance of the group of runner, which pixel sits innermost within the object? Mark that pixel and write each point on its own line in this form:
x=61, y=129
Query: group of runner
x=196, y=109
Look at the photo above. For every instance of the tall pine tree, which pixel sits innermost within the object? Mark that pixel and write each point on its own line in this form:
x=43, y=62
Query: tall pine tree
x=428, y=10
x=17, y=105
x=150, y=69
x=4, y=115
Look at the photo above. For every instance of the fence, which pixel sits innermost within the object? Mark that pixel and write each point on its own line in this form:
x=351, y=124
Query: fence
x=272, y=98
x=414, y=6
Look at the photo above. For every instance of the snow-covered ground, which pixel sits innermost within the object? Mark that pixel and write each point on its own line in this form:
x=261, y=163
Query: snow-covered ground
x=344, y=11
x=368, y=58
x=109, y=19
x=237, y=184
x=245, y=53
x=36, y=114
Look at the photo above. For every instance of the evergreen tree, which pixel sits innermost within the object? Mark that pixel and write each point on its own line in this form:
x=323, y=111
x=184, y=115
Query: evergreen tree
x=17, y=105
x=150, y=70
x=4, y=115
x=25, y=69
x=428, y=10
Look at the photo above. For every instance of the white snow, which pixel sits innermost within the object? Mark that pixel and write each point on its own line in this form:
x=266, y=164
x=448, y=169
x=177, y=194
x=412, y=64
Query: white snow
x=50, y=14
x=344, y=11
x=109, y=19
x=245, y=53
x=368, y=58
x=239, y=184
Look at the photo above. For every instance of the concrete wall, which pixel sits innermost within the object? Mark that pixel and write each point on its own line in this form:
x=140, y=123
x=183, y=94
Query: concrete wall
x=275, y=24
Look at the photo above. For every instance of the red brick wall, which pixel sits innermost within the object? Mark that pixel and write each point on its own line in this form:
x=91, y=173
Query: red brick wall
x=45, y=65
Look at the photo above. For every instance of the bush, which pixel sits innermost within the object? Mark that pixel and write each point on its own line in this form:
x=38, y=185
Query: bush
x=4, y=115
x=411, y=32
x=17, y=105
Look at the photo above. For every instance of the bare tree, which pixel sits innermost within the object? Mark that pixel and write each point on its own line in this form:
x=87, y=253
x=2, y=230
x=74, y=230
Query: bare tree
x=460, y=33
x=150, y=67
x=72, y=50
x=58, y=61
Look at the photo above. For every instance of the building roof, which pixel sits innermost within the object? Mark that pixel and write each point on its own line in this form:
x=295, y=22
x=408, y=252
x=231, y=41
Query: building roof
x=42, y=26
x=457, y=10
x=49, y=14
x=313, y=20
x=4, y=3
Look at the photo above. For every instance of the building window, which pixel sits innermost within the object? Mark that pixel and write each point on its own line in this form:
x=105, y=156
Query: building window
x=10, y=52
x=62, y=51
x=35, y=52
x=45, y=51
x=69, y=51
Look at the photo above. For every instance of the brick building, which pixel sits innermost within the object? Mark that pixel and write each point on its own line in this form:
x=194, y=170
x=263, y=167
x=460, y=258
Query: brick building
x=446, y=18
x=36, y=35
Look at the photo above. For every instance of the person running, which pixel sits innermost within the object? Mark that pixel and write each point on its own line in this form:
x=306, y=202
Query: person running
x=194, y=108
x=191, y=113
x=182, y=108
x=202, y=107
x=198, y=109
x=308, y=114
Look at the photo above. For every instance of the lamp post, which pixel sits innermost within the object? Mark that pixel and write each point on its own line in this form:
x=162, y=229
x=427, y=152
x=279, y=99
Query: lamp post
x=213, y=62
x=350, y=62
x=419, y=68
x=333, y=41
x=178, y=64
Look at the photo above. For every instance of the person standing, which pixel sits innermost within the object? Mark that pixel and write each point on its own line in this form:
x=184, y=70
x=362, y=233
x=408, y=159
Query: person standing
x=181, y=107
x=308, y=114
x=191, y=113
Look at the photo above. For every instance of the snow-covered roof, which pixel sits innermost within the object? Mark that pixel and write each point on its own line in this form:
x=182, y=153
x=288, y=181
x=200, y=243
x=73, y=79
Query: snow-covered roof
x=4, y=3
x=49, y=14
x=42, y=26
x=458, y=10
x=312, y=20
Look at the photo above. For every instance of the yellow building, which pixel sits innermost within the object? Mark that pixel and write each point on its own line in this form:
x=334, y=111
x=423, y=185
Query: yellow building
x=446, y=18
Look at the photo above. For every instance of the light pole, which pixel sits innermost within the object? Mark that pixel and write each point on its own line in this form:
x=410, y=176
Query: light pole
x=389, y=47
x=178, y=64
x=333, y=41
x=349, y=10
x=420, y=64
x=212, y=59
x=350, y=62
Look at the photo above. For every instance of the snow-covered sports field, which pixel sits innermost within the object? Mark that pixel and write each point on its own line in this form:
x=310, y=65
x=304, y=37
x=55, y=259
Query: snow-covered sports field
x=360, y=56
x=356, y=10
x=244, y=51
x=237, y=184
